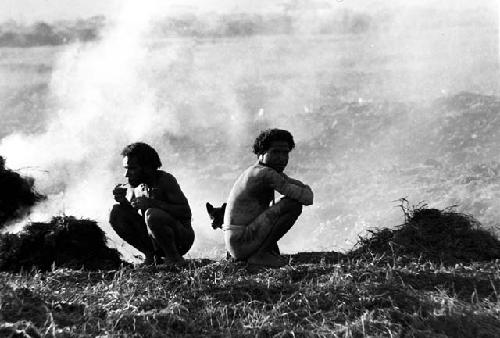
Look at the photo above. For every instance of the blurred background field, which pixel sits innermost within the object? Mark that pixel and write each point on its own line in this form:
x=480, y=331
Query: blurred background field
x=384, y=102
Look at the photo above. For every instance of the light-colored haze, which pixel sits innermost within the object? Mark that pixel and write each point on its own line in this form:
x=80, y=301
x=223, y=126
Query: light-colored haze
x=131, y=86
x=50, y=10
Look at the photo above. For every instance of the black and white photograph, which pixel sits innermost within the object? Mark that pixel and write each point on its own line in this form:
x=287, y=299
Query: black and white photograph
x=249, y=168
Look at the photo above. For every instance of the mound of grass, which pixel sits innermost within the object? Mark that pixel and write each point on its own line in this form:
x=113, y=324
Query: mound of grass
x=433, y=235
x=63, y=242
x=17, y=195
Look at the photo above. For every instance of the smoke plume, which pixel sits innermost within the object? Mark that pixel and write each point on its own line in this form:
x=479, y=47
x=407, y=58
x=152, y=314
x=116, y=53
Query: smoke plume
x=198, y=89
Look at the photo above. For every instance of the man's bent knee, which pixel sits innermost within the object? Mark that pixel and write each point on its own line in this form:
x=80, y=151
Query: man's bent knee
x=157, y=218
x=297, y=210
x=118, y=215
x=291, y=206
x=116, y=212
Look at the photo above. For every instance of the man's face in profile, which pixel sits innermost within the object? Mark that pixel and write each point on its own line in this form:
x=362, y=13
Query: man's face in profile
x=276, y=156
x=133, y=171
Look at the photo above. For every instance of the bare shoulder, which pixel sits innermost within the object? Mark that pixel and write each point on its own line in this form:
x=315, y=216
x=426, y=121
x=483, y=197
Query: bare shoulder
x=166, y=179
x=259, y=170
x=168, y=183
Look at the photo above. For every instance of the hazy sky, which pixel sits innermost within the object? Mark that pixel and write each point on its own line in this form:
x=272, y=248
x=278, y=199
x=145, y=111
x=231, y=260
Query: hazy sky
x=49, y=10
x=32, y=10
x=29, y=10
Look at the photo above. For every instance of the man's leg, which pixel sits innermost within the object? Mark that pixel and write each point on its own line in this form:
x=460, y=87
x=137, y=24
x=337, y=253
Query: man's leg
x=275, y=249
x=290, y=211
x=285, y=212
x=174, y=238
x=130, y=226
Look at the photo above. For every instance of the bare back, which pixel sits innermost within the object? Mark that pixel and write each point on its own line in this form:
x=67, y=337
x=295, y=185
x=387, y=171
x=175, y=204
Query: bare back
x=253, y=192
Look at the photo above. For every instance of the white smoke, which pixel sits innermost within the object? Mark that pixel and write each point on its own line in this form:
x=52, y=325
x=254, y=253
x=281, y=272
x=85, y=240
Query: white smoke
x=102, y=101
x=132, y=85
x=110, y=93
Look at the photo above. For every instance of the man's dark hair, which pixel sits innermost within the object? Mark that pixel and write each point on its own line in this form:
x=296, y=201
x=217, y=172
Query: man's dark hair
x=266, y=137
x=144, y=153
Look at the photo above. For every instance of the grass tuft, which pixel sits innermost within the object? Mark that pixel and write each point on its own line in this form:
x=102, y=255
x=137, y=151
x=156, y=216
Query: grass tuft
x=64, y=242
x=17, y=195
x=440, y=236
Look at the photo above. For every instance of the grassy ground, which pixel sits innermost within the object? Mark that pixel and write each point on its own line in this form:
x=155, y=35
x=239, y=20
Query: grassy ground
x=317, y=294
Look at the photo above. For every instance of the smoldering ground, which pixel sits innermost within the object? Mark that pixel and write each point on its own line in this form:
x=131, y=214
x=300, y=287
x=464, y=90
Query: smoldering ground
x=376, y=97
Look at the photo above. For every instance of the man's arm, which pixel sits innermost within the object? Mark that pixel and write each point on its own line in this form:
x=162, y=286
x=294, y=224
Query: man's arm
x=294, y=181
x=309, y=195
x=120, y=194
x=289, y=187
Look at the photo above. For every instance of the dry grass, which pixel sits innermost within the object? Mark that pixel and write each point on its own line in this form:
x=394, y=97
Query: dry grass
x=406, y=282
x=17, y=195
x=322, y=294
x=64, y=242
x=440, y=236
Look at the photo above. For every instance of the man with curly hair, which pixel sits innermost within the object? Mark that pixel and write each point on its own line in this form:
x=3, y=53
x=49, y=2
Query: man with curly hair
x=152, y=213
x=253, y=221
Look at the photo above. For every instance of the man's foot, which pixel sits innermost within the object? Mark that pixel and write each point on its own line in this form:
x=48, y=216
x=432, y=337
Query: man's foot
x=152, y=259
x=170, y=261
x=283, y=259
x=275, y=249
x=149, y=260
x=266, y=259
x=170, y=265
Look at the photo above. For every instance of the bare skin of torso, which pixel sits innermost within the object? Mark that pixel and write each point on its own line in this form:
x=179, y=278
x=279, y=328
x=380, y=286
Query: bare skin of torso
x=254, y=191
x=163, y=192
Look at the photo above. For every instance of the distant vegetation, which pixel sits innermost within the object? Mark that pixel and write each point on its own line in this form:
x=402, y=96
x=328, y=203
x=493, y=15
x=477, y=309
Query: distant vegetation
x=345, y=21
x=314, y=17
x=13, y=34
x=295, y=17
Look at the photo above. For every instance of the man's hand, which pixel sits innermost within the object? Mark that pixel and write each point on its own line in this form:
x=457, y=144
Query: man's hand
x=120, y=193
x=142, y=203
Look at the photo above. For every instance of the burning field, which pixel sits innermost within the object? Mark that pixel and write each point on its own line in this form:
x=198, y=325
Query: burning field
x=387, y=104
x=380, y=110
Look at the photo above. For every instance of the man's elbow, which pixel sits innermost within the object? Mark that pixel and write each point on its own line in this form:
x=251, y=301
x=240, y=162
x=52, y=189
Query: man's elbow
x=308, y=201
x=187, y=212
x=308, y=198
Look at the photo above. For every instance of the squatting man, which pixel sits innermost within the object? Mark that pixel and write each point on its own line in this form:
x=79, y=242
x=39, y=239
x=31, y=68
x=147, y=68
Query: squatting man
x=154, y=216
x=152, y=213
x=253, y=221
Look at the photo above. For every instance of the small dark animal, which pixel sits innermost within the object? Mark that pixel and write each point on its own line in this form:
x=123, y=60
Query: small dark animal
x=216, y=215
